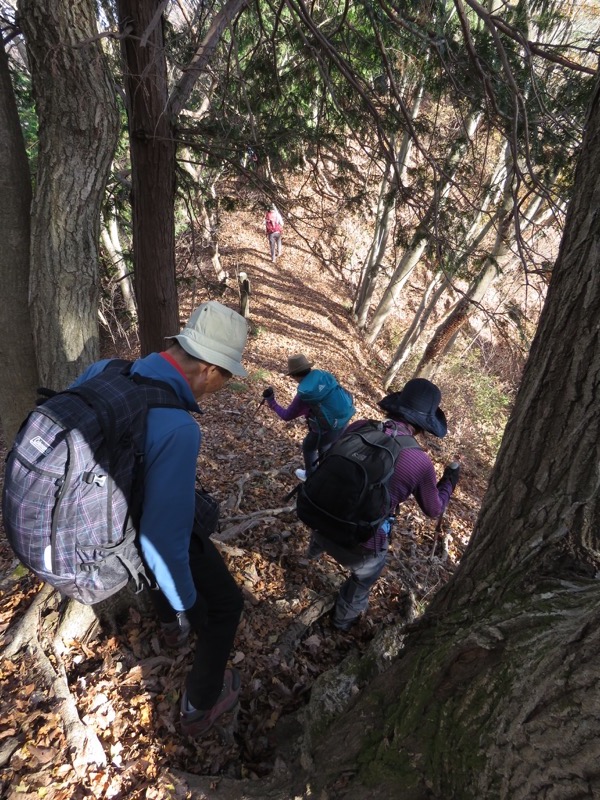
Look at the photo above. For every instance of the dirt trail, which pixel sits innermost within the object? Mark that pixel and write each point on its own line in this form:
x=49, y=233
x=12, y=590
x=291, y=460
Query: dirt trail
x=297, y=306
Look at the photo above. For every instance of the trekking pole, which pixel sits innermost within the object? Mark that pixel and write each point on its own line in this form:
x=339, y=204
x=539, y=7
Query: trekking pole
x=251, y=420
x=438, y=527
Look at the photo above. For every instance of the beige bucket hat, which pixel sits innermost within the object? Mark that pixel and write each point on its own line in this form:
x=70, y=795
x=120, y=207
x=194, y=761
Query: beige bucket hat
x=216, y=334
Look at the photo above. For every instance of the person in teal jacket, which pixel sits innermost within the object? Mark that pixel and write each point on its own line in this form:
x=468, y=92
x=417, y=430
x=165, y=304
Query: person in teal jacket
x=320, y=435
x=195, y=587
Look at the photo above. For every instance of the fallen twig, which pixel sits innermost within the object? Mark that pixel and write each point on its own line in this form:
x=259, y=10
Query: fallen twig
x=249, y=521
x=292, y=637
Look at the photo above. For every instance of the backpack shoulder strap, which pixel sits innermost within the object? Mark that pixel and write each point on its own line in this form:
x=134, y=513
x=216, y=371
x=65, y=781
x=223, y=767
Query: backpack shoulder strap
x=169, y=395
x=404, y=440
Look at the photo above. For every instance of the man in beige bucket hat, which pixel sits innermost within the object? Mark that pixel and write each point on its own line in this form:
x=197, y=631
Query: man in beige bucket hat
x=195, y=588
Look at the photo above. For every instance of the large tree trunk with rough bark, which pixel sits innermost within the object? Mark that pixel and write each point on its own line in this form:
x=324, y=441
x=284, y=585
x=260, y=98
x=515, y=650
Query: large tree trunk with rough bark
x=152, y=149
x=496, y=693
x=78, y=125
x=17, y=362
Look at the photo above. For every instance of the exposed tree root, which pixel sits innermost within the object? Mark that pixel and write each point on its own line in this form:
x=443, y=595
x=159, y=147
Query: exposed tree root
x=249, y=521
x=26, y=629
x=233, y=503
x=83, y=744
x=290, y=640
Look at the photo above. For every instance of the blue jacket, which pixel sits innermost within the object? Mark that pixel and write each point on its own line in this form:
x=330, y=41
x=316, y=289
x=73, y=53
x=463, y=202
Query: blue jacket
x=172, y=445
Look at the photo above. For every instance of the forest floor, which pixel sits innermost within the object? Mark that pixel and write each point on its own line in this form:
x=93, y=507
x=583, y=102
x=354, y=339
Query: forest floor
x=126, y=684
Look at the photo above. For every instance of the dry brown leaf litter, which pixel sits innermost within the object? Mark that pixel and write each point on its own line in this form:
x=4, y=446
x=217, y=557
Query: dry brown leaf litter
x=127, y=684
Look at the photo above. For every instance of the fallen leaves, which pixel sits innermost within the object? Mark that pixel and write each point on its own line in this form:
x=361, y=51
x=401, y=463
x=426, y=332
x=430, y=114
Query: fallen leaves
x=126, y=684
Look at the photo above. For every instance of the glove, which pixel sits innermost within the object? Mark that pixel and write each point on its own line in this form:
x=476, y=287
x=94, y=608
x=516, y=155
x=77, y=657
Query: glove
x=451, y=473
x=268, y=393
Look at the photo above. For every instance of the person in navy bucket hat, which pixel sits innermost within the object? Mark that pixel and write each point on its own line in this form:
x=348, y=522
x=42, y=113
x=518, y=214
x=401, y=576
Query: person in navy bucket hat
x=419, y=404
x=409, y=412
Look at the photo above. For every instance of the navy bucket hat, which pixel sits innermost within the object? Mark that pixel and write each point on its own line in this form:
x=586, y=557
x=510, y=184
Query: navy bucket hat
x=419, y=404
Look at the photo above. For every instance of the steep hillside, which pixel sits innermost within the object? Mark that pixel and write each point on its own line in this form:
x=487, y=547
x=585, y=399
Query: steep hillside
x=125, y=684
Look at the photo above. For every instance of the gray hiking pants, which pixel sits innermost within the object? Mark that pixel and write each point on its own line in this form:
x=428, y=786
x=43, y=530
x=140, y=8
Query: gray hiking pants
x=275, y=244
x=365, y=568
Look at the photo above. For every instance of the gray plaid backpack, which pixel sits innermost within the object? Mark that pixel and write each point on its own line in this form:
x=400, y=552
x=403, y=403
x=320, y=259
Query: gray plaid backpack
x=73, y=483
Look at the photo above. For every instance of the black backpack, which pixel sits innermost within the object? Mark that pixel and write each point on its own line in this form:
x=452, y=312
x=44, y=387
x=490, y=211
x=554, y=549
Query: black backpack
x=346, y=498
x=73, y=483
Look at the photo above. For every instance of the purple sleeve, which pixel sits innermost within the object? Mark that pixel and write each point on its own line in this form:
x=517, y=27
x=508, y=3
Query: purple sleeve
x=297, y=408
x=415, y=474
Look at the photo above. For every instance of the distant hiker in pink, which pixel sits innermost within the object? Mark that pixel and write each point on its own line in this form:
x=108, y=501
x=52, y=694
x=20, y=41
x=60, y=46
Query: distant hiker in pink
x=274, y=226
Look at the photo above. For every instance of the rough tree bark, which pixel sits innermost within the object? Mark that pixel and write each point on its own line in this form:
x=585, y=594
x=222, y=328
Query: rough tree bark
x=152, y=150
x=496, y=691
x=17, y=364
x=78, y=125
x=152, y=114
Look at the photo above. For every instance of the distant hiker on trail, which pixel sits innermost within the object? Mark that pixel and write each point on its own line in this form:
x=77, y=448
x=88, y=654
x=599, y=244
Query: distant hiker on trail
x=273, y=227
x=326, y=405
x=350, y=525
x=195, y=587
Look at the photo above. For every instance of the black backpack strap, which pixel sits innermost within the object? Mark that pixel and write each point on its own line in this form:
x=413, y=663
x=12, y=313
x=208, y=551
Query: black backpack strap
x=292, y=493
x=140, y=380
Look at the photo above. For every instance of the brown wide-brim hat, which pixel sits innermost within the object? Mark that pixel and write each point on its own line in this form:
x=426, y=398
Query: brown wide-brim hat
x=298, y=363
x=418, y=404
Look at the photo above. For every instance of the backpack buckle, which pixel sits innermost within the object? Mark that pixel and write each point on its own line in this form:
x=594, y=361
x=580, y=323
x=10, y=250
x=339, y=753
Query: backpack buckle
x=92, y=477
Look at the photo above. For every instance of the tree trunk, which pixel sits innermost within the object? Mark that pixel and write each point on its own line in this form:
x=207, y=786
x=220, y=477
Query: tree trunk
x=373, y=262
x=420, y=238
x=152, y=114
x=17, y=356
x=112, y=244
x=472, y=239
x=429, y=300
x=78, y=124
x=152, y=150
x=446, y=331
x=386, y=208
x=210, y=241
x=495, y=695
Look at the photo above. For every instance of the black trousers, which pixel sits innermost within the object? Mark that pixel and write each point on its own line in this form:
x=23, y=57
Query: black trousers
x=214, y=618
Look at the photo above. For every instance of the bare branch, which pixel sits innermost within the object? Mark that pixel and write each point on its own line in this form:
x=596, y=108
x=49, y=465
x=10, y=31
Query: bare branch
x=183, y=88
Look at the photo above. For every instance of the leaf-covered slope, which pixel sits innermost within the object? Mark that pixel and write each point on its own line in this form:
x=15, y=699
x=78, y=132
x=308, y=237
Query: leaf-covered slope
x=125, y=683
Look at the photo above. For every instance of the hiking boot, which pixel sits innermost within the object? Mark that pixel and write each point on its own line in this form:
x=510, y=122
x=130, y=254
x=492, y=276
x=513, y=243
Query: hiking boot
x=176, y=633
x=300, y=474
x=314, y=550
x=343, y=625
x=346, y=626
x=198, y=722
